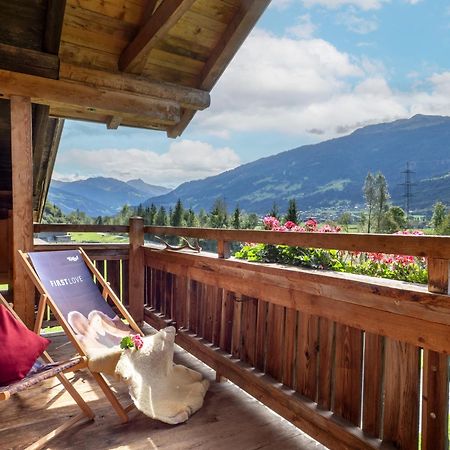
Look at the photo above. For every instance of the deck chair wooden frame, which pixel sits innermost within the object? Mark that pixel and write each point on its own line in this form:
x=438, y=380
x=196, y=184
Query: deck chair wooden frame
x=46, y=300
x=58, y=371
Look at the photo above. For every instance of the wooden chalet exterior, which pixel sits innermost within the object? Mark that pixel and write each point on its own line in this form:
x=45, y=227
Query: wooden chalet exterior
x=354, y=361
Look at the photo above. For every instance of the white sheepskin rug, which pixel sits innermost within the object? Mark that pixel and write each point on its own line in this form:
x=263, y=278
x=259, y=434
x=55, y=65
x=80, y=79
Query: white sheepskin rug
x=159, y=388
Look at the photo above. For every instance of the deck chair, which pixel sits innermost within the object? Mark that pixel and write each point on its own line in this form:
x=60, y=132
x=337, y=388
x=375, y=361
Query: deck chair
x=42, y=371
x=65, y=281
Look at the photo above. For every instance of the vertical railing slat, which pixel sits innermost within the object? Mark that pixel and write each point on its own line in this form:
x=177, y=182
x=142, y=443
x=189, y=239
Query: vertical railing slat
x=236, y=333
x=193, y=306
x=209, y=312
x=275, y=344
x=261, y=335
x=249, y=313
x=373, y=384
x=226, y=325
x=326, y=362
x=113, y=275
x=289, y=361
x=401, y=394
x=307, y=349
x=125, y=282
x=348, y=378
x=217, y=315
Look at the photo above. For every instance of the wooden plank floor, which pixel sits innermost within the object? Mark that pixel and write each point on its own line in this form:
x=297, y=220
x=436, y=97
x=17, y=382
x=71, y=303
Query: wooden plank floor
x=229, y=419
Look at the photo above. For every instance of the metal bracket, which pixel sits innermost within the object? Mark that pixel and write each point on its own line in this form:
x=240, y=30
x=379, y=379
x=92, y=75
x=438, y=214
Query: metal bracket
x=186, y=244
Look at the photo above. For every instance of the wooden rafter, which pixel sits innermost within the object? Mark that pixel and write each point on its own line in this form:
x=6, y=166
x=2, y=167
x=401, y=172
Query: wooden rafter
x=113, y=102
x=149, y=10
x=166, y=15
x=53, y=25
x=235, y=34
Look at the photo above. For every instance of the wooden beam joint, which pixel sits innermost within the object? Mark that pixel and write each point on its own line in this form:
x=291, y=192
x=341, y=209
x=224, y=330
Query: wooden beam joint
x=166, y=15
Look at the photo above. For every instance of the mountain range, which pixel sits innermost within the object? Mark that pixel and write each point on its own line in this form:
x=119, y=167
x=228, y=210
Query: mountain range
x=101, y=196
x=324, y=176
x=331, y=174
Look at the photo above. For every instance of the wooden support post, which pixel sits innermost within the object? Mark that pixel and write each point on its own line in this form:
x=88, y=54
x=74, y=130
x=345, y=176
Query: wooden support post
x=435, y=373
x=223, y=249
x=438, y=275
x=22, y=211
x=136, y=268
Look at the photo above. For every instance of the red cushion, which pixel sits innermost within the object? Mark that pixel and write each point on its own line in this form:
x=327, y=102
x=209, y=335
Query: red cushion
x=19, y=347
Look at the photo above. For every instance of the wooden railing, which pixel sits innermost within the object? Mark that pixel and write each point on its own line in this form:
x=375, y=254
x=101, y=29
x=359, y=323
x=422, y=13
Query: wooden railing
x=353, y=361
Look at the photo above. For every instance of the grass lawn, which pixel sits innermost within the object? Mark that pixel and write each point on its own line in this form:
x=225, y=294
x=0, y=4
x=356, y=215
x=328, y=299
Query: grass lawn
x=100, y=238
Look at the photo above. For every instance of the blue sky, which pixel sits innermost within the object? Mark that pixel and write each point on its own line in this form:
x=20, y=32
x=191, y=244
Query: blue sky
x=310, y=70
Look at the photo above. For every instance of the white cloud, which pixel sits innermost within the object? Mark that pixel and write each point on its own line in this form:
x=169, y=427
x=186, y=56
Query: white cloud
x=303, y=29
x=354, y=22
x=185, y=160
x=308, y=87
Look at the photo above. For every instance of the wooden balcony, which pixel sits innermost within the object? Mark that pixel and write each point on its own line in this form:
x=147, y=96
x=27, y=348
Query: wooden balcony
x=353, y=361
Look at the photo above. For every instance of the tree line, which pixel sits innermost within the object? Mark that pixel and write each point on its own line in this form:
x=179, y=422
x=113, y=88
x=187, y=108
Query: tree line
x=178, y=216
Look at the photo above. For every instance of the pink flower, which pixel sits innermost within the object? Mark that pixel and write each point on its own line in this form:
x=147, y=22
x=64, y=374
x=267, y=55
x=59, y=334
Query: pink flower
x=137, y=341
x=311, y=225
x=376, y=257
x=289, y=224
x=410, y=232
x=326, y=229
x=270, y=222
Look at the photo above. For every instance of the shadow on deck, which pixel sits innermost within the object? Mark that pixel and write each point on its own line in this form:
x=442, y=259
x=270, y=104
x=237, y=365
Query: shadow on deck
x=229, y=419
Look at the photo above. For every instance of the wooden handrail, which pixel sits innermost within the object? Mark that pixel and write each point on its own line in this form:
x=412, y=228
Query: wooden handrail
x=428, y=246
x=66, y=227
x=435, y=246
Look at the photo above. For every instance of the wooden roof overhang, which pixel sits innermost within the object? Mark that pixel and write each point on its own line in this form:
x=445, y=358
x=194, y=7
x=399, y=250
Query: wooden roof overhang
x=141, y=63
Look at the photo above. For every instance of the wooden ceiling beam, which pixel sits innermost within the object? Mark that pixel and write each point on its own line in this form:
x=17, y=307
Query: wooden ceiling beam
x=28, y=61
x=46, y=91
x=235, y=34
x=159, y=23
x=189, y=98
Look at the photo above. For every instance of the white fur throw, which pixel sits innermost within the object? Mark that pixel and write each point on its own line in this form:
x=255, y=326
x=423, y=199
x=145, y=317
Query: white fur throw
x=159, y=388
